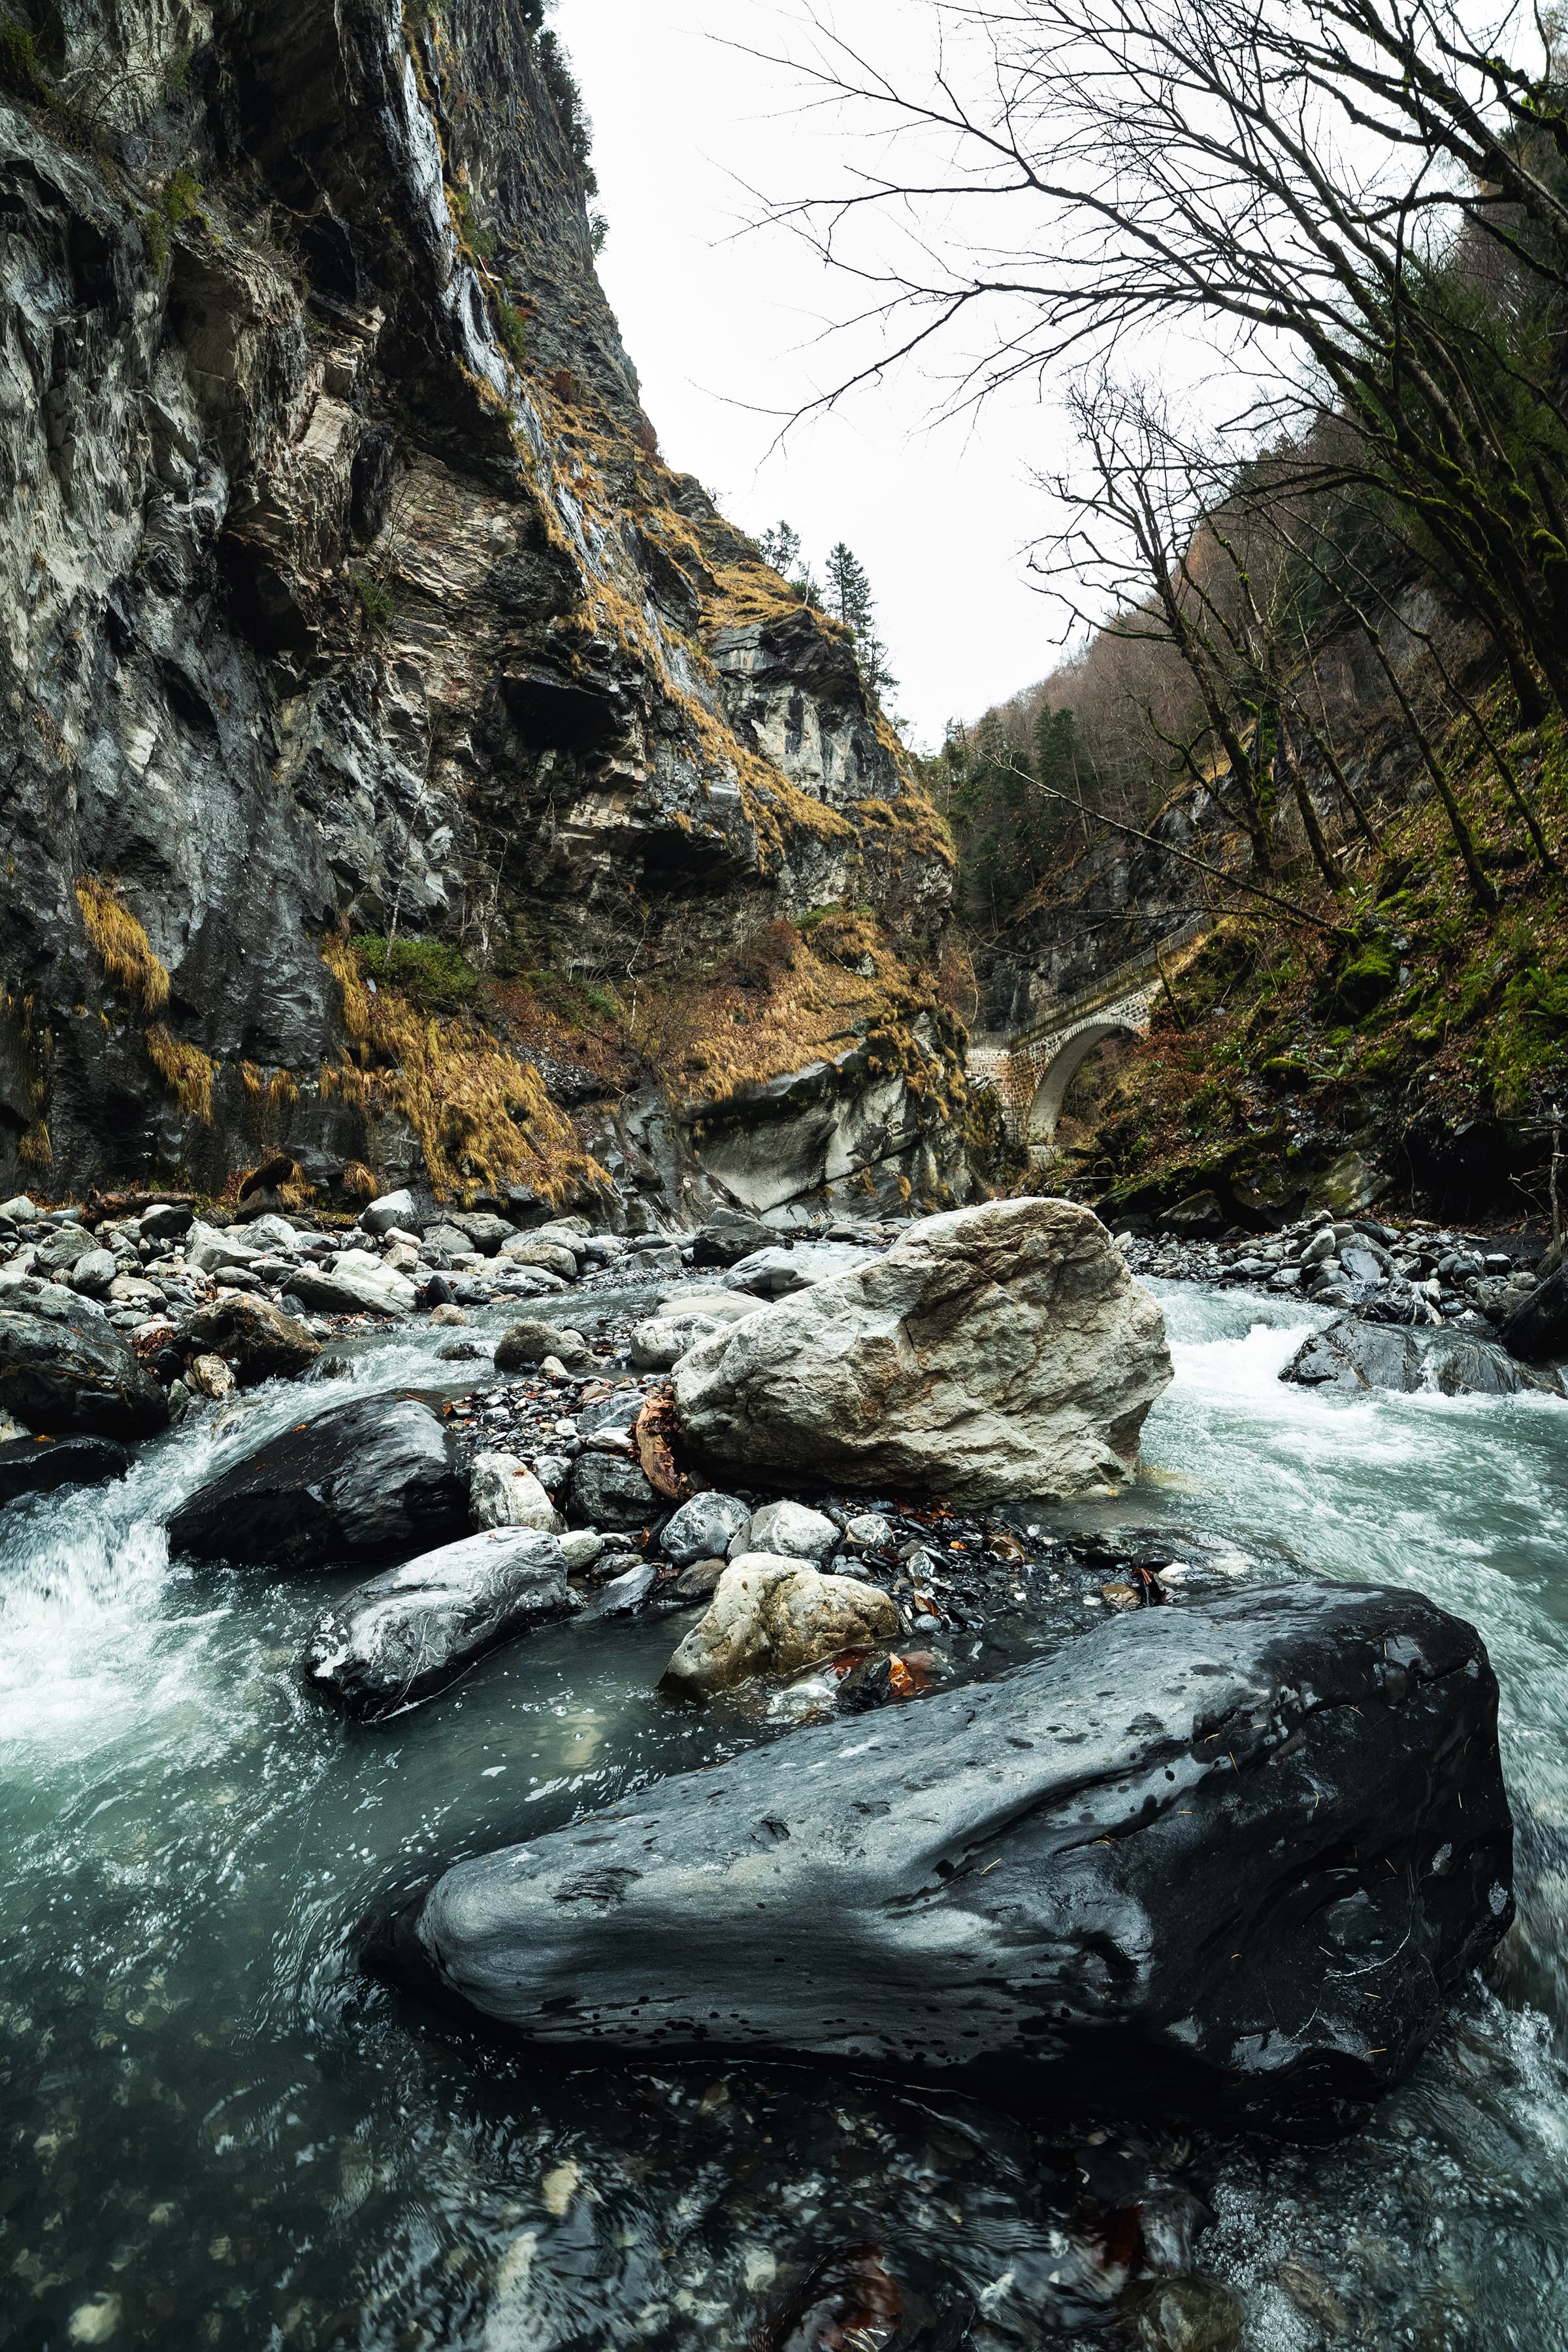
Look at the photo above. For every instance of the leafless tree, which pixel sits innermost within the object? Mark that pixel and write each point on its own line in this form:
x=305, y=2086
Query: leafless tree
x=1363, y=199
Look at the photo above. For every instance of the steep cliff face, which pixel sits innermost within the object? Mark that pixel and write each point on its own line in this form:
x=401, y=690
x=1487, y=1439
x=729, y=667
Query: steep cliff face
x=343, y=594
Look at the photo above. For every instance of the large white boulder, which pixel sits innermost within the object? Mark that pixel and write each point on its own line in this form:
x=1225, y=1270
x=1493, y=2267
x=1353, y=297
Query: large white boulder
x=995, y=1351
x=774, y=1616
x=373, y=1283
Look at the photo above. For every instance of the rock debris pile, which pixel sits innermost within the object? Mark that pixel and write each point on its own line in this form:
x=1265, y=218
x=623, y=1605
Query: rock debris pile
x=834, y=1459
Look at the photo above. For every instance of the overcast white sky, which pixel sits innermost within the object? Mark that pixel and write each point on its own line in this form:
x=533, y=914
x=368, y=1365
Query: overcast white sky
x=721, y=330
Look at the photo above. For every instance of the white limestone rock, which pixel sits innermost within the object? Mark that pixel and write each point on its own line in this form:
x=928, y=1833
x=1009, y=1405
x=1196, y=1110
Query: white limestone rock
x=502, y=1493
x=774, y=1616
x=994, y=1352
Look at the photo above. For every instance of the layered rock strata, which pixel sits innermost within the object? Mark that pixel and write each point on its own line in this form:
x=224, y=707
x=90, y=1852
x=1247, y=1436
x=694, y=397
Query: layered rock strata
x=347, y=595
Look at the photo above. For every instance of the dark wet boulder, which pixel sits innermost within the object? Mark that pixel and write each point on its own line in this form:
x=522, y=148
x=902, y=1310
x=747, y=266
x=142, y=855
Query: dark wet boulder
x=729, y=1236
x=70, y=1370
x=377, y=1479
x=256, y=1340
x=609, y=1492
x=524, y=1345
x=38, y=1465
x=1538, y=1330
x=1162, y=1869
x=1351, y=1358
x=408, y=1634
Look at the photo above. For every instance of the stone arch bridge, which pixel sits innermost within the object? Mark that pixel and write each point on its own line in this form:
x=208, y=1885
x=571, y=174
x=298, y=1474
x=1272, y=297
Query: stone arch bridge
x=1032, y=1067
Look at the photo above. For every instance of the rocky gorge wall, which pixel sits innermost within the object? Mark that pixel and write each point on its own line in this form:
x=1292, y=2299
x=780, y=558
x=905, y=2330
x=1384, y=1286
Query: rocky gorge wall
x=344, y=595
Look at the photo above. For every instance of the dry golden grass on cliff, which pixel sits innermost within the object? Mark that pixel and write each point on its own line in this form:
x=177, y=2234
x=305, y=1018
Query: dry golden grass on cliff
x=186, y=1070
x=482, y=1115
x=736, y=589
x=788, y=997
x=119, y=943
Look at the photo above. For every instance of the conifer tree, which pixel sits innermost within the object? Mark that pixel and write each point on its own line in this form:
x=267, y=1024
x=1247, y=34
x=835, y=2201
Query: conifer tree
x=849, y=600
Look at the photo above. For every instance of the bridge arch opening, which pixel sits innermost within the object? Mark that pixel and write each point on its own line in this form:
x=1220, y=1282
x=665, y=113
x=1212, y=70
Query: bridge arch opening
x=1045, y=1107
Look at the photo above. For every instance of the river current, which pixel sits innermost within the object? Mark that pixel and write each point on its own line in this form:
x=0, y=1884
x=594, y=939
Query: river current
x=216, y=2131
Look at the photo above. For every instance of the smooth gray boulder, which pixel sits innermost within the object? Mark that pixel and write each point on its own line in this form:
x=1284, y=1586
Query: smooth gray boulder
x=93, y=1272
x=525, y=1344
x=391, y=1644
x=65, y=1368
x=794, y=1530
x=1160, y=1871
x=729, y=1236
x=659, y=1345
x=774, y=1615
x=400, y=1209
x=705, y=1528
x=376, y=1479
x=357, y=1284
x=995, y=1351
x=61, y=1246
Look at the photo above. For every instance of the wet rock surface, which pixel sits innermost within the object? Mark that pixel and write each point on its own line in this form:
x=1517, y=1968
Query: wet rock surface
x=39, y=1466
x=997, y=1351
x=1162, y=1869
x=1351, y=1358
x=413, y=1631
x=66, y=1370
x=1414, y=1275
x=364, y=1481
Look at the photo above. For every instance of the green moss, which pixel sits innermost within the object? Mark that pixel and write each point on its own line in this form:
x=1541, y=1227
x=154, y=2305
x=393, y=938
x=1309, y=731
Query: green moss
x=431, y=973
x=155, y=235
x=1285, y=1069
x=182, y=199
x=470, y=227
x=512, y=328
x=1361, y=979
x=20, y=69
x=375, y=600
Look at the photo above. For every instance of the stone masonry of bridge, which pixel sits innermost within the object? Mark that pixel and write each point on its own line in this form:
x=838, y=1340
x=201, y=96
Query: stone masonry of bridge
x=1032, y=1068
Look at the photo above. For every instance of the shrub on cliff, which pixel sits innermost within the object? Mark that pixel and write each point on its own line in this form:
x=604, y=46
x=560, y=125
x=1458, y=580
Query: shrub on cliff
x=432, y=974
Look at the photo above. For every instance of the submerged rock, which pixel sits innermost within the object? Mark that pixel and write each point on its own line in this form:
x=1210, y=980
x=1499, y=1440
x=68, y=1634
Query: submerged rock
x=1162, y=1870
x=376, y=1479
x=408, y=1634
x=70, y=1370
x=1353, y=1359
x=772, y=1615
x=994, y=1352
x=38, y=1465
